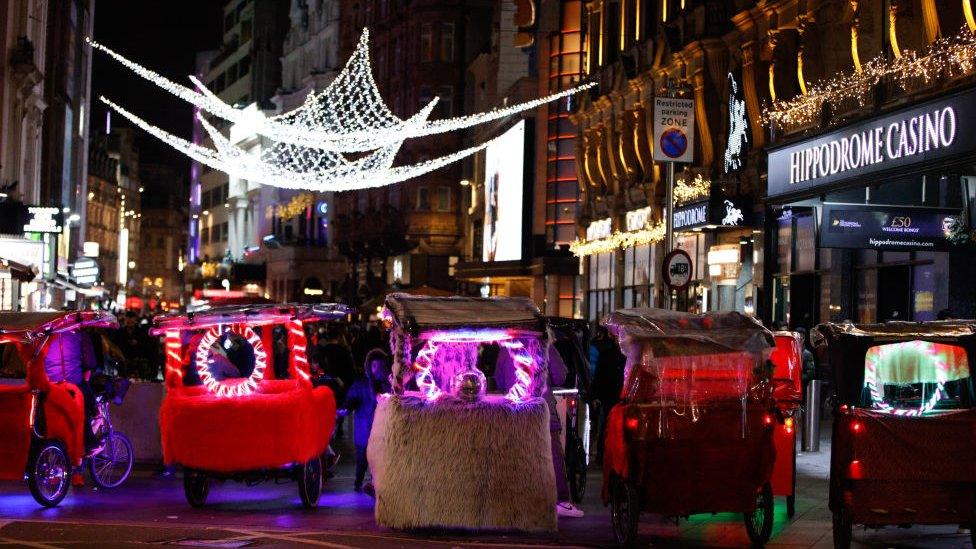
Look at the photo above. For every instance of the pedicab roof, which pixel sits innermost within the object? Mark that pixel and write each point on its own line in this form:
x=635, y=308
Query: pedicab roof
x=24, y=326
x=938, y=329
x=675, y=333
x=417, y=313
x=254, y=314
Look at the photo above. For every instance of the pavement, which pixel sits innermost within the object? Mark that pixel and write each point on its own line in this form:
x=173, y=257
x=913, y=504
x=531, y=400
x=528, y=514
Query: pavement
x=151, y=511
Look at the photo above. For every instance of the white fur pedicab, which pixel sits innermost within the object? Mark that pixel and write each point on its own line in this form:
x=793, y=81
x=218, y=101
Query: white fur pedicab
x=445, y=453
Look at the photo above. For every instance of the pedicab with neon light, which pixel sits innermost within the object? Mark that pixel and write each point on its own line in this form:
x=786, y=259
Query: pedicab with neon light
x=787, y=359
x=227, y=415
x=42, y=423
x=693, y=432
x=904, y=436
x=444, y=450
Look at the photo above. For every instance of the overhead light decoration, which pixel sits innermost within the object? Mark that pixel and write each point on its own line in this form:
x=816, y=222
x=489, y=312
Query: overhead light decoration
x=690, y=191
x=948, y=57
x=617, y=240
x=349, y=116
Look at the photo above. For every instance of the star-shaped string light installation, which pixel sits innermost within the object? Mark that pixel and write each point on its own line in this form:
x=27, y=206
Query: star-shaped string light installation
x=348, y=116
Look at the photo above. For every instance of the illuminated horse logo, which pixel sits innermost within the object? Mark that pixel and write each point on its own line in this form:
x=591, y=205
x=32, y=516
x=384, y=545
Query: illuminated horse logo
x=733, y=215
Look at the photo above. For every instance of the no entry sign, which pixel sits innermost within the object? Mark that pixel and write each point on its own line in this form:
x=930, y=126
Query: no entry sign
x=674, y=129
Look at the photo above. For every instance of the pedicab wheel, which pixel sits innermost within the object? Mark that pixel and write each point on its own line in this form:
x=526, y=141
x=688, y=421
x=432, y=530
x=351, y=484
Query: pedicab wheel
x=110, y=467
x=843, y=528
x=790, y=506
x=310, y=482
x=49, y=473
x=624, y=511
x=196, y=486
x=577, y=472
x=759, y=523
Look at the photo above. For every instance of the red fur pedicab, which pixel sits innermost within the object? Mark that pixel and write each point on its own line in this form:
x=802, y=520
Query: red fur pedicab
x=693, y=432
x=787, y=359
x=248, y=427
x=42, y=423
x=903, y=447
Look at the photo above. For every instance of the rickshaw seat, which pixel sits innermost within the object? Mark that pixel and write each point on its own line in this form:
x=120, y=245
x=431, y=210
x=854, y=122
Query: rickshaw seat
x=278, y=424
x=15, y=438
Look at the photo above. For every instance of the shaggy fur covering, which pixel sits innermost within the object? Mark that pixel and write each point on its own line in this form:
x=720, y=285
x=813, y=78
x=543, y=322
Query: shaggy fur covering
x=15, y=437
x=482, y=466
x=277, y=425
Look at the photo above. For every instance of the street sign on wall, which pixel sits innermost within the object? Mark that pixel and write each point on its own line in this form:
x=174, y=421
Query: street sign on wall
x=674, y=129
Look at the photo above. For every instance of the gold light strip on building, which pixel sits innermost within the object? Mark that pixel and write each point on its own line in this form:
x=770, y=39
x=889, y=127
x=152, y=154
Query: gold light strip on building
x=799, y=72
x=967, y=10
x=772, y=81
x=893, y=30
x=623, y=24
x=637, y=18
x=664, y=10
x=931, y=20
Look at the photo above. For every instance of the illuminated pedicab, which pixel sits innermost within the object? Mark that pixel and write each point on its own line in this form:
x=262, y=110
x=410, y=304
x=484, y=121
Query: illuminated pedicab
x=42, y=424
x=226, y=417
x=903, y=447
x=693, y=432
x=442, y=451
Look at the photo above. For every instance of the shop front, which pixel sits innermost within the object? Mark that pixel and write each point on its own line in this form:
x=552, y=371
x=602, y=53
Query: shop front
x=871, y=222
x=719, y=239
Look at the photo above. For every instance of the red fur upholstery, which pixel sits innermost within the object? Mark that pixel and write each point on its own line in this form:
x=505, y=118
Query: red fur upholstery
x=274, y=426
x=15, y=438
x=64, y=410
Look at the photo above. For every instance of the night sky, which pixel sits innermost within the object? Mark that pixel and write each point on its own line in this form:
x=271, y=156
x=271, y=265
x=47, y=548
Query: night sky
x=163, y=35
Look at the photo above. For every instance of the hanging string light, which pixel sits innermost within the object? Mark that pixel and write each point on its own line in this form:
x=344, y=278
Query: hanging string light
x=348, y=116
x=947, y=57
x=293, y=167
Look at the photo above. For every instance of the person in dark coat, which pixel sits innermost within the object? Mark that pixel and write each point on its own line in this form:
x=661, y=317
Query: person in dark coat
x=608, y=382
x=361, y=401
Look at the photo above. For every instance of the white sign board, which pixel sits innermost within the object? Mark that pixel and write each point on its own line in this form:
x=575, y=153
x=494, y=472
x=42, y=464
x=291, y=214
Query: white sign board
x=85, y=271
x=43, y=219
x=24, y=251
x=674, y=129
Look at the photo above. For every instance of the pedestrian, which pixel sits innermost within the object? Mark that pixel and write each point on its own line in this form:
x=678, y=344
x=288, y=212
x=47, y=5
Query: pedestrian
x=557, y=377
x=608, y=382
x=336, y=364
x=361, y=401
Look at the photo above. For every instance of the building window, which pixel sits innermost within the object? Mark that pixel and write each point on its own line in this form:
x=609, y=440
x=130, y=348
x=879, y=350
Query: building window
x=223, y=232
x=219, y=83
x=447, y=42
x=445, y=103
x=423, y=199
x=205, y=235
x=427, y=42
x=600, y=291
x=229, y=20
x=443, y=199
x=246, y=30
x=231, y=74
x=243, y=67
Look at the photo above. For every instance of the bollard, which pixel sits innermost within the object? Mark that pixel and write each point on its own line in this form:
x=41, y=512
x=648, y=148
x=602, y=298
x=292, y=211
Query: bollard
x=811, y=417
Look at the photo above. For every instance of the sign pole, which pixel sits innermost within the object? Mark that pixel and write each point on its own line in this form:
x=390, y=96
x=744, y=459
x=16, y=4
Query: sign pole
x=669, y=211
x=669, y=227
x=674, y=141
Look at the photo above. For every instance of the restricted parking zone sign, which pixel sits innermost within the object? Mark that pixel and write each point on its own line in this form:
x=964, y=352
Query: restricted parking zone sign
x=674, y=129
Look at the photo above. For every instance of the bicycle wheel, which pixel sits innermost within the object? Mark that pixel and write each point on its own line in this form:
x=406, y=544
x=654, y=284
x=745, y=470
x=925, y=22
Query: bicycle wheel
x=111, y=466
x=48, y=473
x=310, y=482
x=759, y=523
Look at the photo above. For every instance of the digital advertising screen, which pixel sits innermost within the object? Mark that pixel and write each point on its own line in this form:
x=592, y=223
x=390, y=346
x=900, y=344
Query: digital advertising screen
x=889, y=227
x=504, y=185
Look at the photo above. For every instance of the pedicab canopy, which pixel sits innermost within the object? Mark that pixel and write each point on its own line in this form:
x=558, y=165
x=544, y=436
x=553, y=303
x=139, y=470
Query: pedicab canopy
x=687, y=358
x=902, y=368
x=452, y=329
x=209, y=326
x=28, y=332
